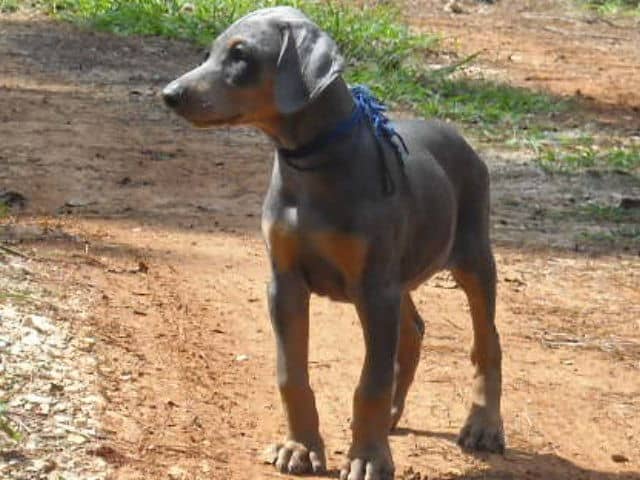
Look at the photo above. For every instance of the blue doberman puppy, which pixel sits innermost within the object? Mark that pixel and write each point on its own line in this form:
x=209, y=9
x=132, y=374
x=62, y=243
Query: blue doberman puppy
x=352, y=215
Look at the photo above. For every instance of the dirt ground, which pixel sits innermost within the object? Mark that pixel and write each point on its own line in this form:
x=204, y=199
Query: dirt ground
x=159, y=224
x=549, y=45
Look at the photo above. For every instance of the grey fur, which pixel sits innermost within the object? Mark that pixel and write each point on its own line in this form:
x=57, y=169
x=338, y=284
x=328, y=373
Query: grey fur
x=334, y=231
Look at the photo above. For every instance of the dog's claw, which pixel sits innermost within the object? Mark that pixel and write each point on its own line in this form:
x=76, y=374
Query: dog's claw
x=375, y=465
x=293, y=457
x=482, y=434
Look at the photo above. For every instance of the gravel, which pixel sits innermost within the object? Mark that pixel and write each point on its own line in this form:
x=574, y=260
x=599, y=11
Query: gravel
x=48, y=381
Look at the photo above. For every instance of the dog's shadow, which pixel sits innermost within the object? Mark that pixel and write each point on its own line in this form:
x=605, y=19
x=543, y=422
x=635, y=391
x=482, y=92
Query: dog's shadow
x=518, y=464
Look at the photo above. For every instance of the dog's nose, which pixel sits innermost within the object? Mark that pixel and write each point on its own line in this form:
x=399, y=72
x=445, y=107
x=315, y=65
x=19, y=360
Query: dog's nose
x=172, y=94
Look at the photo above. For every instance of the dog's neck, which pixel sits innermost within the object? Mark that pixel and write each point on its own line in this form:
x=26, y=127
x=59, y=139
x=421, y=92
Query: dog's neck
x=334, y=105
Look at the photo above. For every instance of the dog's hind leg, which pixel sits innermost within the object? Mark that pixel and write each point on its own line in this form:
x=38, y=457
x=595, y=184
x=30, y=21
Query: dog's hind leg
x=408, y=356
x=475, y=272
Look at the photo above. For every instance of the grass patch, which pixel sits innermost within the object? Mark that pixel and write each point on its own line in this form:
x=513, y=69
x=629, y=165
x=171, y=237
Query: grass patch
x=5, y=424
x=7, y=6
x=382, y=51
x=606, y=213
x=604, y=224
x=613, y=7
x=372, y=34
x=575, y=157
x=625, y=235
x=17, y=297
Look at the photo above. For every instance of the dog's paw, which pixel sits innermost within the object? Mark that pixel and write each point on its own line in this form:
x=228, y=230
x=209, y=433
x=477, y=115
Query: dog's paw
x=482, y=432
x=295, y=458
x=368, y=464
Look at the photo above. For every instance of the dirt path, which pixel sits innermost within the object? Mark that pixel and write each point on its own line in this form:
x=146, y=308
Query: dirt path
x=162, y=227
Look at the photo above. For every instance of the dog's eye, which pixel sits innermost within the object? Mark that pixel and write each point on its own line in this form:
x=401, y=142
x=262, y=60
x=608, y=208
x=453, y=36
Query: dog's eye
x=238, y=52
x=241, y=69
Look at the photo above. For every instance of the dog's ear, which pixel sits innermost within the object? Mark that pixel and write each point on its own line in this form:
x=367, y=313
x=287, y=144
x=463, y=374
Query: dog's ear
x=309, y=61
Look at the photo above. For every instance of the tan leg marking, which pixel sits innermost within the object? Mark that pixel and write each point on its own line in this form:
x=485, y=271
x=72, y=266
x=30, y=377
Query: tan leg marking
x=408, y=356
x=283, y=245
x=483, y=428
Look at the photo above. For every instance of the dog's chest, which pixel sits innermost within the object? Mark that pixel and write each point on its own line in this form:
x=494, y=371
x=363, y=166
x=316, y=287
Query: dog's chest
x=331, y=260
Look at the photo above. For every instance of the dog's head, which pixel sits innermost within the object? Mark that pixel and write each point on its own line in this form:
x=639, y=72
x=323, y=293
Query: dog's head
x=269, y=63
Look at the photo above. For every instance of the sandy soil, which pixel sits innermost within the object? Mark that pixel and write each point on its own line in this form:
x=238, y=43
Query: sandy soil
x=160, y=222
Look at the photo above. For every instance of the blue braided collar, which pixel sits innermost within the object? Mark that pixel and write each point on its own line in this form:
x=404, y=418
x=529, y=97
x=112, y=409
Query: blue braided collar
x=367, y=107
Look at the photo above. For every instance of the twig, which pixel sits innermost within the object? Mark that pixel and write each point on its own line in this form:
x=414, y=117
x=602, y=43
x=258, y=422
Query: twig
x=531, y=15
x=580, y=34
x=16, y=419
x=452, y=324
x=14, y=252
x=85, y=434
x=444, y=71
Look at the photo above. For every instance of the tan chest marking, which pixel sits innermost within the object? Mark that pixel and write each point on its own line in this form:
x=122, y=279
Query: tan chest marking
x=346, y=252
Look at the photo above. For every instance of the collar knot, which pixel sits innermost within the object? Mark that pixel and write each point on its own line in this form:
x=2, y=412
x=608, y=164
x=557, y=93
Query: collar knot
x=368, y=107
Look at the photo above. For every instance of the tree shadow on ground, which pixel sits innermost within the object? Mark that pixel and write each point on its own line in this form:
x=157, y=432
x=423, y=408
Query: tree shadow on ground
x=519, y=464
x=105, y=148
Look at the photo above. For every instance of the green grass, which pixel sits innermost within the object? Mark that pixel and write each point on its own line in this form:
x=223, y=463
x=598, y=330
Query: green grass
x=5, y=424
x=625, y=235
x=371, y=34
x=18, y=297
x=613, y=7
x=604, y=224
x=9, y=5
x=606, y=213
x=576, y=157
x=381, y=49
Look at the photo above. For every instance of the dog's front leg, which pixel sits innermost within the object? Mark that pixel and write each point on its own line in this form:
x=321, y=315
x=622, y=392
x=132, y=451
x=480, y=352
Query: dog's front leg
x=303, y=450
x=370, y=455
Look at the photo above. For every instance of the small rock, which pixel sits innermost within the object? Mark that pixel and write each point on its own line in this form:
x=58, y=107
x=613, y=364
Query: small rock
x=13, y=199
x=628, y=203
x=618, y=458
x=176, y=473
x=242, y=358
x=56, y=388
x=62, y=419
x=76, y=202
x=77, y=438
x=44, y=466
x=38, y=399
x=39, y=323
x=31, y=338
x=87, y=344
x=454, y=6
